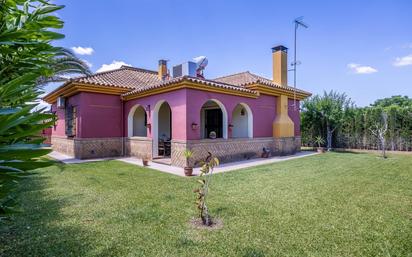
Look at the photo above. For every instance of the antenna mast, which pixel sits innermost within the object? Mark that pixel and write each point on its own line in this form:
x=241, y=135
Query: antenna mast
x=298, y=22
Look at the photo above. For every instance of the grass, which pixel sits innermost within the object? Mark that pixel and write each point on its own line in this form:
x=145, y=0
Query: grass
x=336, y=204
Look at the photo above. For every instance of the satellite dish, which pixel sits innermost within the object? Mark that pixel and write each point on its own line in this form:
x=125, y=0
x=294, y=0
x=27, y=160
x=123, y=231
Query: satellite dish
x=201, y=63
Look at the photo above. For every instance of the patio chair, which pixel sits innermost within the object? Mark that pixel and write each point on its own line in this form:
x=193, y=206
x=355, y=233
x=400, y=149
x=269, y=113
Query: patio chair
x=162, y=148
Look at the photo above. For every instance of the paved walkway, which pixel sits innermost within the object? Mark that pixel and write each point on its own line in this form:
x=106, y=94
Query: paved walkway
x=179, y=171
x=70, y=160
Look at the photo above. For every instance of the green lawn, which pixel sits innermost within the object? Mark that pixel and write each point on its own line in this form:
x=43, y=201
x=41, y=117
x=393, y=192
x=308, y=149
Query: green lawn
x=336, y=204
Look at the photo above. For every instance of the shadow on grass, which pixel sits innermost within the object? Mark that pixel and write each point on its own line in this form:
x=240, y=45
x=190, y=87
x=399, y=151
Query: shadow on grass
x=347, y=152
x=38, y=227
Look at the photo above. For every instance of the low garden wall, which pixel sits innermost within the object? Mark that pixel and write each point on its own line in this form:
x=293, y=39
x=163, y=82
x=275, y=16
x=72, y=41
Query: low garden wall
x=227, y=150
x=233, y=149
x=88, y=148
x=138, y=147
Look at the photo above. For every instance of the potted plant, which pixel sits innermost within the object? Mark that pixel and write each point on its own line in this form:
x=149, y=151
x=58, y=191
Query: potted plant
x=320, y=141
x=265, y=152
x=212, y=135
x=189, y=168
x=145, y=160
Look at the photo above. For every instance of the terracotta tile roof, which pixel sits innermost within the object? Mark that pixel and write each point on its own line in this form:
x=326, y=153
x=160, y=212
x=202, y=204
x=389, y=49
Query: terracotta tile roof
x=190, y=79
x=126, y=77
x=245, y=78
x=238, y=79
x=142, y=80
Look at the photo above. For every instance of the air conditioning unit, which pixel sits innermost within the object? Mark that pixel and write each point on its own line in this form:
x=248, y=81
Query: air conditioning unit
x=185, y=69
x=61, y=102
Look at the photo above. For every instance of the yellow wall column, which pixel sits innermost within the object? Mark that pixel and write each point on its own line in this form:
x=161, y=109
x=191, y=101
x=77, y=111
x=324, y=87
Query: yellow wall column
x=283, y=126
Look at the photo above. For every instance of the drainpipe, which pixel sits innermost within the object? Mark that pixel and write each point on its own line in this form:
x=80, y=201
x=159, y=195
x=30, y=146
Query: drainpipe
x=122, y=120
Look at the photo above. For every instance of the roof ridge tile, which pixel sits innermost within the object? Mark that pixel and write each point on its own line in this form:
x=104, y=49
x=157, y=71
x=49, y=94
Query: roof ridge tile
x=234, y=74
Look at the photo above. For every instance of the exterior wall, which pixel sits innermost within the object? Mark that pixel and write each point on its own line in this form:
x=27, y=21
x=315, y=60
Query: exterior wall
x=60, y=128
x=99, y=127
x=138, y=147
x=187, y=103
x=98, y=116
x=87, y=148
x=177, y=102
x=63, y=145
x=230, y=150
x=263, y=109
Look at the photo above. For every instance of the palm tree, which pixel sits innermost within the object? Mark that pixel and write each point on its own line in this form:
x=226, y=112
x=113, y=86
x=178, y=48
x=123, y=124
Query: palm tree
x=64, y=64
x=27, y=56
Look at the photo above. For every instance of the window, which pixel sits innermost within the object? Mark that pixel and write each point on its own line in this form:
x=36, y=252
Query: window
x=71, y=118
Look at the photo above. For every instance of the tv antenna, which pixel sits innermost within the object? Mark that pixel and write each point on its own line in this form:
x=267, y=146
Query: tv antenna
x=298, y=22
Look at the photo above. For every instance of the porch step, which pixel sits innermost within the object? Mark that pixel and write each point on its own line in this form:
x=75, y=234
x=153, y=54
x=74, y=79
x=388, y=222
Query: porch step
x=165, y=161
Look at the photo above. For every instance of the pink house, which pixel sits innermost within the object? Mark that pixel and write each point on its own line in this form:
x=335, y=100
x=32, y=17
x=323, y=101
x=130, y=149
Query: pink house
x=143, y=113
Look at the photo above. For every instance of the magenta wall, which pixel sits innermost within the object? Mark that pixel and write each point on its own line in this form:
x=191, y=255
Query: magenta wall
x=186, y=105
x=60, y=129
x=98, y=115
x=263, y=109
x=177, y=102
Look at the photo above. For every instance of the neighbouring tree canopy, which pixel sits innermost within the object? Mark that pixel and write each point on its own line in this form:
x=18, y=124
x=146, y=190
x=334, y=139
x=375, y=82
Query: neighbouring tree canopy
x=397, y=100
x=355, y=129
x=325, y=113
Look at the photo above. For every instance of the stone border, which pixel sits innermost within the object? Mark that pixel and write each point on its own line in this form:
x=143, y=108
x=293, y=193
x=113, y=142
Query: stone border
x=139, y=147
x=87, y=148
x=233, y=149
x=227, y=150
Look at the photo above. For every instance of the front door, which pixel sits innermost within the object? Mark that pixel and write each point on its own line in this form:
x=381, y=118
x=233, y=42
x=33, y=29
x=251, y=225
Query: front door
x=214, y=122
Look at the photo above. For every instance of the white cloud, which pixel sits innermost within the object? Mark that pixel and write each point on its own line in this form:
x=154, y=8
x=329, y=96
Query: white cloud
x=409, y=45
x=359, y=69
x=42, y=104
x=83, y=50
x=114, y=65
x=403, y=61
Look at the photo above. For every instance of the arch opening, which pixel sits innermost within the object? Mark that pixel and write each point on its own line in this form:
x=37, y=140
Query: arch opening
x=242, y=121
x=137, y=122
x=162, y=129
x=213, y=120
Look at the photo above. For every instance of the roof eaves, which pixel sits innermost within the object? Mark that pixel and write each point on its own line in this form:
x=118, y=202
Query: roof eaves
x=190, y=79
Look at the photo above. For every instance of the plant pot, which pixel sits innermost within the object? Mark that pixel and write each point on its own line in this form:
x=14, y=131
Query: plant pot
x=321, y=149
x=145, y=162
x=265, y=155
x=188, y=171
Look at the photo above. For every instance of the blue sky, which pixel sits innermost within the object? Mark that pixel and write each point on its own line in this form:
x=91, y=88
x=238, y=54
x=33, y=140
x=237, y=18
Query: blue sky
x=363, y=48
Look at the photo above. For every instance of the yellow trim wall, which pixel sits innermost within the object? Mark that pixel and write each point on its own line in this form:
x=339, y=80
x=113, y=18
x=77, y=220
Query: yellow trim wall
x=74, y=88
x=283, y=125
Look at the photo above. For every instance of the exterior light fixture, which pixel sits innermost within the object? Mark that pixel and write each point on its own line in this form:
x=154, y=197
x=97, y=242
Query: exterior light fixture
x=195, y=126
x=242, y=112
